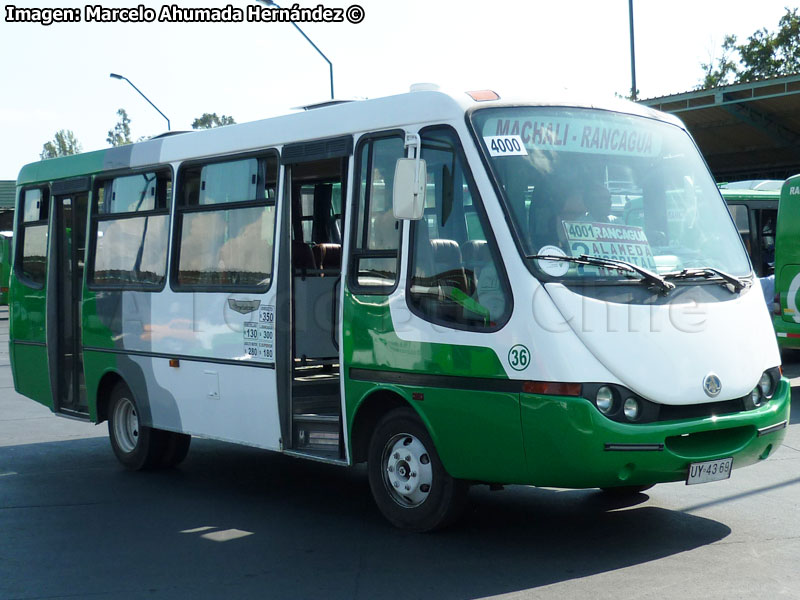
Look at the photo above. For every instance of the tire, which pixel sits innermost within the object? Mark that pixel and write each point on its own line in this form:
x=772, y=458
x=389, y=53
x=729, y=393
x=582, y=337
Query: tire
x=408, y=481
x=176, y=447
x=626, y=490
x=136, y=446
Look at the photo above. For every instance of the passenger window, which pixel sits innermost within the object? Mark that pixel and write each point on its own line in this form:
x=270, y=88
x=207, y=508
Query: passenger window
x=740, y=217
x=226, y=224
x=456, y=274
x=766, y=219
x=33, y=236
x=377, y=232
x=317, y=218
x=131, y=224
x=135, y=193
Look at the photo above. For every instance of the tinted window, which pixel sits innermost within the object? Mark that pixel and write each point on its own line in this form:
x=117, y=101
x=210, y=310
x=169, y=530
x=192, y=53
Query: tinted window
x=227, y=223
x=131, y=224
x=32, y=263
x=377, y=232
x=456, y=275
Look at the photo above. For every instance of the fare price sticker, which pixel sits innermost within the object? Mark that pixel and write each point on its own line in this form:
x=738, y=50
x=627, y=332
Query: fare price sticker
x=259, y=335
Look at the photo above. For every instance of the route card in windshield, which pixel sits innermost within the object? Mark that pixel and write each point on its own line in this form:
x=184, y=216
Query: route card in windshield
x=608, y=240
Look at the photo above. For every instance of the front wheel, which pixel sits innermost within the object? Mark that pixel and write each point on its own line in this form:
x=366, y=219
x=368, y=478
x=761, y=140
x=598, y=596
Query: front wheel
x=407, y=479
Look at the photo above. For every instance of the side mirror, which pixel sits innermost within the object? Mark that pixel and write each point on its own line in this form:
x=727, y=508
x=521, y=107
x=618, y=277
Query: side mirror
x=408, y=194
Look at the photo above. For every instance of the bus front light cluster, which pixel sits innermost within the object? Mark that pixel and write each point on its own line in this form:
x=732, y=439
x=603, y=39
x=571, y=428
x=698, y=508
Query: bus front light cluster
x=604, y=399
x=620, y=404
x=765, y=388
x=756, y=397
x=631, y=409
x=767, y=384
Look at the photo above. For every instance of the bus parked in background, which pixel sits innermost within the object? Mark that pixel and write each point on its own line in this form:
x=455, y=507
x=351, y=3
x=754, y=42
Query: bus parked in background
x=438, y=285
x=787, y=265
x=754, y=206
x=5, y=264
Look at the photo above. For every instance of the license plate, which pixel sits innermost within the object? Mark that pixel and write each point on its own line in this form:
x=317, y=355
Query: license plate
x=712, y=470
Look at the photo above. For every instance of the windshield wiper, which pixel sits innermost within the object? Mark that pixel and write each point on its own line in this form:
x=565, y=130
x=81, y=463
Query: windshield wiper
x=648, y=276
x=708, y=272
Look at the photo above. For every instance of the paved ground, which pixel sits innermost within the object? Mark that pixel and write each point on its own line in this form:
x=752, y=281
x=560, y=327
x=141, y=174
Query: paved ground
x=235, y=522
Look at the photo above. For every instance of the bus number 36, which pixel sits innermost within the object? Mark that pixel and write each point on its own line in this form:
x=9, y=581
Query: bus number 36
x=519, y=357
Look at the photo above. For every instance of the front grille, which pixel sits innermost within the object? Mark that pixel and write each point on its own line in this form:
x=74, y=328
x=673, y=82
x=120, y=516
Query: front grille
x=668, y=412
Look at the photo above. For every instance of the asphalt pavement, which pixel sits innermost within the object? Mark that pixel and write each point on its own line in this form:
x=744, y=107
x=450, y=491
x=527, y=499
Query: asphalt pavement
x=237, y=522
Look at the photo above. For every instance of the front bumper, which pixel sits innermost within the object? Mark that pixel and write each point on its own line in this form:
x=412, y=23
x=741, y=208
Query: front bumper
x=568, y=443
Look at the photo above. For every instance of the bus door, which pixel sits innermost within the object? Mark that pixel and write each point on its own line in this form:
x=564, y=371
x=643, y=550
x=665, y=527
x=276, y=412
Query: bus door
x=764, y=220
x=756, y=224
x=315, y=192
x=70, y=246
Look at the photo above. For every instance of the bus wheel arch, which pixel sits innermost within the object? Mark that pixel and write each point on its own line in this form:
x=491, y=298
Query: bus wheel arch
x=135, y=445
x=409, y=483
x=104, y=388
x=368, y=414
x=165, y=449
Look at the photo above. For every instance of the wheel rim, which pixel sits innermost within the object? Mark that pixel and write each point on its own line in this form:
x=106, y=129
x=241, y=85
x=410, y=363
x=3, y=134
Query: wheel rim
x=126, y=425
x=407, y=470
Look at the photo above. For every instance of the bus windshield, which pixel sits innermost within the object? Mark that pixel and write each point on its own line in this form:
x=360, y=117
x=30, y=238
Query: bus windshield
x=608, y=185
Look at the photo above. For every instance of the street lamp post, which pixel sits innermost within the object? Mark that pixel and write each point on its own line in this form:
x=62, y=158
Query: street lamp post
x=116, y=76
x=633, y=56
x=330, y=64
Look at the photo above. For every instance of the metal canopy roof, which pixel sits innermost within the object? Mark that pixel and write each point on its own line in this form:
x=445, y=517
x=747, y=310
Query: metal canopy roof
x=745, y=131
x=7, y=193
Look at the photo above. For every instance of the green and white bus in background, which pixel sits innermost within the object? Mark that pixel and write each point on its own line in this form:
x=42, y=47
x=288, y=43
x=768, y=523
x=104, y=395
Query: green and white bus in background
x=754, y=206
x=787, y=266
x=433, y=284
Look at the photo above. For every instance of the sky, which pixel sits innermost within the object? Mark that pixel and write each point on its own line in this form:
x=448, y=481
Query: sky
x=57, y=77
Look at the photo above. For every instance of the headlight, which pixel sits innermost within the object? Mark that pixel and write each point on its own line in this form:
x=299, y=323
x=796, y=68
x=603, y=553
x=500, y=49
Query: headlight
x=631, y=409
x=767, y=385
x=756, y=396
x=604, y=399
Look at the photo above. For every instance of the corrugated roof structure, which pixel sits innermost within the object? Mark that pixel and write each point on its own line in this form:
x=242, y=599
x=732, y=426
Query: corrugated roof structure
x=745, y=131
x=7, y=192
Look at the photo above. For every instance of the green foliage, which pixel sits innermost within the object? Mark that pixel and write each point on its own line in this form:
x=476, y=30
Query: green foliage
x=121, y=134
x=628, y=96
x=63, y=144
x=210, y=120
x=764, y=55
x=726, y=68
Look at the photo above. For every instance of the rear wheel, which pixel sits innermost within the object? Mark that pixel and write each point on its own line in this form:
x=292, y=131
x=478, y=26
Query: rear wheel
x=136, y=446
x=407, y=479
x=176, y=447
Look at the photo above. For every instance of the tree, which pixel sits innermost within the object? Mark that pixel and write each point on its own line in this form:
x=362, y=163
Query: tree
x=210, y=120
x=764, y=55
x=726, y=69
x=121, y=134
x=63, y=144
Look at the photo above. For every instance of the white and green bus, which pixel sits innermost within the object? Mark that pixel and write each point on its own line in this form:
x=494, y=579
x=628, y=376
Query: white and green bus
x=436, y=285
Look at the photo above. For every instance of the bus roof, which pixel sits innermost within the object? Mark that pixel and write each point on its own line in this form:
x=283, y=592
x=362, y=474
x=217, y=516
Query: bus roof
x=330, y=120
x=750, y=195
